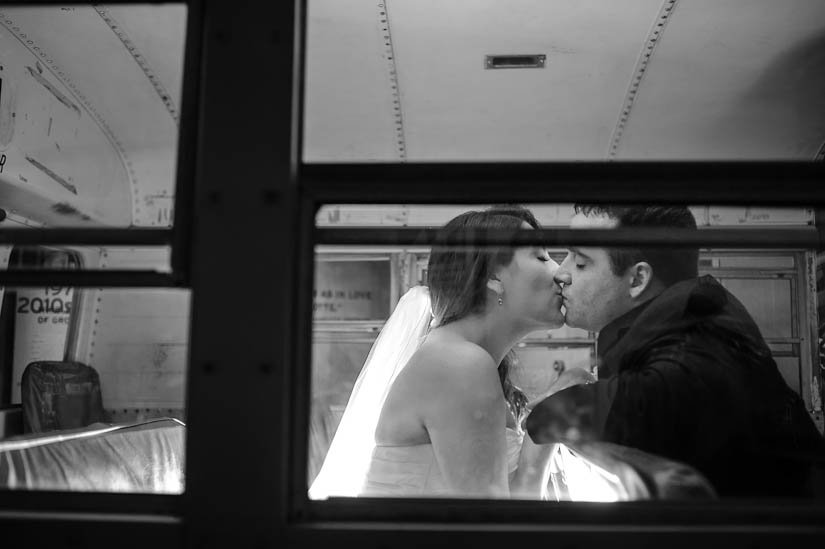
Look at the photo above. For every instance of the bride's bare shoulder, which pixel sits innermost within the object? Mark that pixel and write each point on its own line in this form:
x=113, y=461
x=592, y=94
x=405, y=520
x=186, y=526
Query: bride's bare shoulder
x=450, y=379
x=448, y=359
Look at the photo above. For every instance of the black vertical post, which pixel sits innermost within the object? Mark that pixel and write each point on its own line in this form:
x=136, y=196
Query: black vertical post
x=241, y=274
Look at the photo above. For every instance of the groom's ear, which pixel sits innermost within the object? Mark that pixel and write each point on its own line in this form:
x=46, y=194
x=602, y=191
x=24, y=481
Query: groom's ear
x=641, y=277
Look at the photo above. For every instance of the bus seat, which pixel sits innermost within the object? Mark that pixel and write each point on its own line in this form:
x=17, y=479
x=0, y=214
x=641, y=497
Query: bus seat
x=602, y=471
x=144, y=457
x=11, y=421
x=60, y=395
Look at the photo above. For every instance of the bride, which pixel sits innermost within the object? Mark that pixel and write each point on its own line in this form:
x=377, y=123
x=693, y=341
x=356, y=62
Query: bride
x=433, y=412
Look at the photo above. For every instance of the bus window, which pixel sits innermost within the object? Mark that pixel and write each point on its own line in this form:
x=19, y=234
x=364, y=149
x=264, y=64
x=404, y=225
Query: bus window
x=106, y=380
x=90, y=100
x=95, y=371
x=769, y=291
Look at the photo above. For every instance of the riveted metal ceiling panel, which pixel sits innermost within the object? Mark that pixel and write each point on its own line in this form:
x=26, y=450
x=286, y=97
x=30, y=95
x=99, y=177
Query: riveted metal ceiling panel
x=348, y=99
x=454, y=109
x=398, y=80
x=733, y=80
x=92, y=95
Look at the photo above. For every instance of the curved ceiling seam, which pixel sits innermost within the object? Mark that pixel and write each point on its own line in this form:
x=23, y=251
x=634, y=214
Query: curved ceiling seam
x=653, y=38
x=139, y=58
x=395, y=90
x=58, y=74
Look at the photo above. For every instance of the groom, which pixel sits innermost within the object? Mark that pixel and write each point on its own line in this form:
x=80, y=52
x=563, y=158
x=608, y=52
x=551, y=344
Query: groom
x=684, y=372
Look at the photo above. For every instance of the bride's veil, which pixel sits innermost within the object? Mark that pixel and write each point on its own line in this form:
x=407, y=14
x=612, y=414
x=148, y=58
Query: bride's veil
x=346, y=463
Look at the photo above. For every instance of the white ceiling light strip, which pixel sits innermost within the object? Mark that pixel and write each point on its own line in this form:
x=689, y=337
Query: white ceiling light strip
x=653, y=38
x=389, y=54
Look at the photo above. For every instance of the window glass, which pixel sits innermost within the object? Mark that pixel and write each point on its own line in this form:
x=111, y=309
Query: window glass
x=97, y=373
x=336, y=361
x=625, y=382
x=90, y=99
x=413, y=80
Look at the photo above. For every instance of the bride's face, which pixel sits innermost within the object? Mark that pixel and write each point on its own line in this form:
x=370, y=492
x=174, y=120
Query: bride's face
x=530, y=293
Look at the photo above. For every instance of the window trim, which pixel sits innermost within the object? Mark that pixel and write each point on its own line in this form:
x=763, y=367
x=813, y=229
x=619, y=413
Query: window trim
x=712, y=237
x=89, y=502
x=647, y=517
x=676, y=182
x=605, y=182
x=97, y=517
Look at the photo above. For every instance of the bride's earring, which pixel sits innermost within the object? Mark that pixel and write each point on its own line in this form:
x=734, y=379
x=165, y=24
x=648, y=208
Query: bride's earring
x=500, y=301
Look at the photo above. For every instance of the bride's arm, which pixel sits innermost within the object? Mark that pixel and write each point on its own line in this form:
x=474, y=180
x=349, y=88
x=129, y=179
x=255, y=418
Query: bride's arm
x=465, y=419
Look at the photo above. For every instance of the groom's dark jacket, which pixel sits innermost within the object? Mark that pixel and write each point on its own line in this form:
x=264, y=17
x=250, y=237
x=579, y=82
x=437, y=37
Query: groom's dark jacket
x=688, y=376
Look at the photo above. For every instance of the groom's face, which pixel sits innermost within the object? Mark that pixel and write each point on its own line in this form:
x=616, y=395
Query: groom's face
x=593, y=295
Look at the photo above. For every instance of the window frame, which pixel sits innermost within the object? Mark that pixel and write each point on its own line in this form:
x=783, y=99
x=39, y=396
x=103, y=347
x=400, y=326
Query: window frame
x=646, y=517
x=91, y=518
x=375, y=522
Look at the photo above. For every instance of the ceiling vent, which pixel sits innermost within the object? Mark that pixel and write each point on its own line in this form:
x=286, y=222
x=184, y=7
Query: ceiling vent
x=514, y=61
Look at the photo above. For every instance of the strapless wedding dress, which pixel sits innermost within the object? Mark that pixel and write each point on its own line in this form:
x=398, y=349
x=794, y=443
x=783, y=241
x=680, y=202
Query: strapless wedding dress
x=412, y=471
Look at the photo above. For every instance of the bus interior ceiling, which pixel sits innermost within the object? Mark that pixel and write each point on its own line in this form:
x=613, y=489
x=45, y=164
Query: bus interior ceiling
x=636, y=80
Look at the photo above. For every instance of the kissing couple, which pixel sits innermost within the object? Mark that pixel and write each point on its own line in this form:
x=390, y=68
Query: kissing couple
x=684, y=372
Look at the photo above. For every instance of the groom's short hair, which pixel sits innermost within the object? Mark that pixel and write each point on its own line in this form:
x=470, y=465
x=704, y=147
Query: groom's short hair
x=670, y=265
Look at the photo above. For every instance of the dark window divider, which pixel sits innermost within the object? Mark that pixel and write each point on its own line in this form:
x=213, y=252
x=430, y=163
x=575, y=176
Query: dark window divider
x=188, y=140
x=756, y=183
x=85, y=502
x=300, y=378
x=88, y=237
x=360, y=512
x=91, y=278
x=713, y=237
x=112, y=2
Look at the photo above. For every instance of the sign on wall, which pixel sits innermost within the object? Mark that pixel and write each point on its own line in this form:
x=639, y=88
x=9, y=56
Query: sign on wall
x=742, y=216
x=40, y=327
x=352, y=290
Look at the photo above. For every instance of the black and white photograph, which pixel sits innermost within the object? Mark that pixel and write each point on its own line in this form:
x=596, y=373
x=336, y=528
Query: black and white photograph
x=412, y=273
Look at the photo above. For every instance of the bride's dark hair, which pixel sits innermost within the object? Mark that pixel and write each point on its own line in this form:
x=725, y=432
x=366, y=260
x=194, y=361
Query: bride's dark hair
x=457, y=274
